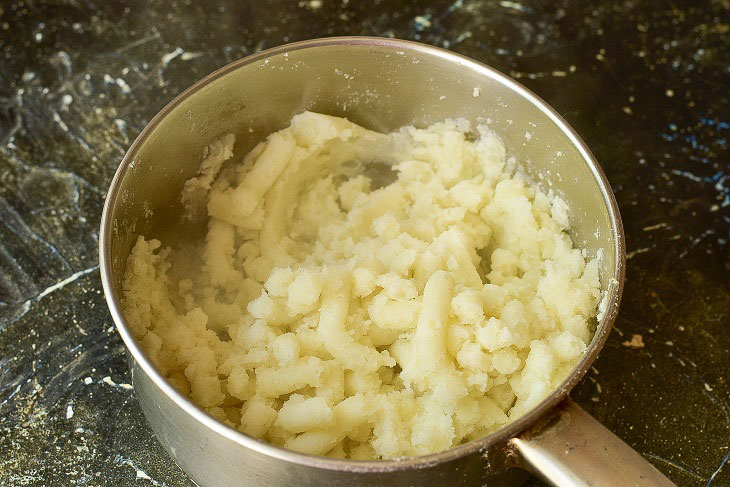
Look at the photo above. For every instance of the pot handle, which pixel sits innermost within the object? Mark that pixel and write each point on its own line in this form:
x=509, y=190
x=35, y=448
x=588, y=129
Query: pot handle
x=570, y=448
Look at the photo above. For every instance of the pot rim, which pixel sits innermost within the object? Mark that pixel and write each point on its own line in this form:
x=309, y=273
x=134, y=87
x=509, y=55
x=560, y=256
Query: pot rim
x=476, y=446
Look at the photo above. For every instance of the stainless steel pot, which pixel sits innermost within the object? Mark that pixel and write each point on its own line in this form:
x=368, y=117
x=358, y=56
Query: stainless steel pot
x=381, y=84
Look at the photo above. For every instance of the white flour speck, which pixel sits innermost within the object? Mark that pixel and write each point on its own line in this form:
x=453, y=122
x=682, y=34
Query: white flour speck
x=108, y=380
x=421, y=23
x=123, y=85
x=187, y=56
x=171, y=55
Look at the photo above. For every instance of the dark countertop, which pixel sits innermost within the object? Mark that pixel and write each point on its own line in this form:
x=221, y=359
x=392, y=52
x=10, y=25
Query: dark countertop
x=646, y=84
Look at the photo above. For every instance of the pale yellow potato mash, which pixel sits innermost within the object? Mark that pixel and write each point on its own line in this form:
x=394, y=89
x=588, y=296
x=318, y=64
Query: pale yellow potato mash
x=335, y=310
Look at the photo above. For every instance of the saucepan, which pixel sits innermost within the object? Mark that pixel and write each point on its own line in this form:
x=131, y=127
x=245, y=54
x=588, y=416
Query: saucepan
x=382, y=84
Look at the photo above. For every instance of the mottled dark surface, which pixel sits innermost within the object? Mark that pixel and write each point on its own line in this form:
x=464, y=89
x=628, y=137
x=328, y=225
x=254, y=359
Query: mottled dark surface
x=647, y=85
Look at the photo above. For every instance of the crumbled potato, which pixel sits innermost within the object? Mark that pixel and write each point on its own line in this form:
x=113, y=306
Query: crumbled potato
x=333, y=314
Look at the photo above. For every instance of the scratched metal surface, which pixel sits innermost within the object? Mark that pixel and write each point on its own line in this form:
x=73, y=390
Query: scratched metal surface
x=647, y=86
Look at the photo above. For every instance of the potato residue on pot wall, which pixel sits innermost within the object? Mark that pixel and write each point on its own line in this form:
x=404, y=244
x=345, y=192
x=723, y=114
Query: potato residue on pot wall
x=335, y=314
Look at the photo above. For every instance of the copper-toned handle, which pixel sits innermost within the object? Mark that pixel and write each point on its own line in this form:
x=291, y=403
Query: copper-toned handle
x=572, y=449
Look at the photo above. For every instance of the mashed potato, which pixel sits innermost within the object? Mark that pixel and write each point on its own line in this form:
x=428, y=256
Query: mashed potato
x=336, y=311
